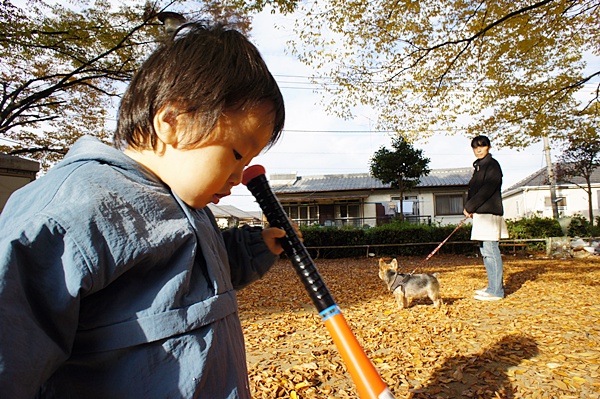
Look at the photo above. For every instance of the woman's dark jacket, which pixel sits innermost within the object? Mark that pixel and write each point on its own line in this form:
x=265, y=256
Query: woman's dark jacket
x=485, y=187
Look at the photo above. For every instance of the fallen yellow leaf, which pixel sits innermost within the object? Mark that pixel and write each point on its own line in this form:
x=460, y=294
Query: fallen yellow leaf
x=301, y=385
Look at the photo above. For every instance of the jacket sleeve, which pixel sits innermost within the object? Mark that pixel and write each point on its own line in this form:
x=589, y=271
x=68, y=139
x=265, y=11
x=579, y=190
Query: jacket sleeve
x=249, y=256
x=41, y=273
x=492, y=181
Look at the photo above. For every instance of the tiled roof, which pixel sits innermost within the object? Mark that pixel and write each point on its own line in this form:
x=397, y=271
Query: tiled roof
x=540, y=178
x=364, y=181
x=447, y=177
x=217, y=211
x=225, y=211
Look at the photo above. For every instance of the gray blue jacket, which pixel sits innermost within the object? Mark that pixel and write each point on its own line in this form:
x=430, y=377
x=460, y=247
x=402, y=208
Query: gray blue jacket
x=111, y=287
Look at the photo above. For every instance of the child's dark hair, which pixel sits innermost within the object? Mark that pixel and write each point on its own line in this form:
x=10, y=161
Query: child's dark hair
x=480, y=141
x=203, y=71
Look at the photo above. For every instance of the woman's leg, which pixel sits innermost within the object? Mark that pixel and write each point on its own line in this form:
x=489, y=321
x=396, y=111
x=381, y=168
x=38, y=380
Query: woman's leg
x=492, y=259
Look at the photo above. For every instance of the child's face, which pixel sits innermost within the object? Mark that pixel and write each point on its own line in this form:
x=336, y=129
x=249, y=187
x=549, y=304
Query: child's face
x=207, y=173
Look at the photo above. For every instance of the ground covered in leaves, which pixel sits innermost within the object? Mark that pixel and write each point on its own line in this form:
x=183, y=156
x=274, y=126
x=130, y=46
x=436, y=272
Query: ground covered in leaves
x=542, y=341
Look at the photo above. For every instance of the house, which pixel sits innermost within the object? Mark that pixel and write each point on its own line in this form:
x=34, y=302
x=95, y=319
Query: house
x=15, y=172
x=531, y=197
x=361, y=200
x=230, y=216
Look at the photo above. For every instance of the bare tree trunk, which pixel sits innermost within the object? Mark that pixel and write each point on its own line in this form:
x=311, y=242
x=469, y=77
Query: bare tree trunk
x=590, y=206
x=401, y=186
x=551, y=178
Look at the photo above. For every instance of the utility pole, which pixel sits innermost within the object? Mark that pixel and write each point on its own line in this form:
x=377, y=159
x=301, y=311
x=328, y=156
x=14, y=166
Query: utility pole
x=551, y=178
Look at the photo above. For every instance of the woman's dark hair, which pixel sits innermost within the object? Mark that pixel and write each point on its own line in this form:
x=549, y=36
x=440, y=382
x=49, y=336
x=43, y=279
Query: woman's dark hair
x=202, y=71
x=480, y=141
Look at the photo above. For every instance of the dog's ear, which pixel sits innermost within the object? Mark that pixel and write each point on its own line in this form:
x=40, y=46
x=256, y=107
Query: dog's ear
x=394, y=264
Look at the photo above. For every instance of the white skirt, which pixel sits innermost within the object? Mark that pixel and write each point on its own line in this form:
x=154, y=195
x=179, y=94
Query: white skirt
x=488, y=227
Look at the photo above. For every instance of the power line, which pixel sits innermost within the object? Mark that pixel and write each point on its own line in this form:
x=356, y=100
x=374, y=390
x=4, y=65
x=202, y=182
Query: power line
x=338, y=131
x=303, y=76
x=9, y=140
x=311, y=80
x=301, y=88
x=358, y=132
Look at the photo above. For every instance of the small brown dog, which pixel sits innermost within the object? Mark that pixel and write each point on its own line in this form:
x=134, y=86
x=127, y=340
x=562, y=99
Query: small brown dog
x=408, y=286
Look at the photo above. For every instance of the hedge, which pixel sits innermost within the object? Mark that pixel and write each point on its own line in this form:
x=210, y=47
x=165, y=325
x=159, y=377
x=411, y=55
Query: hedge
x=395, y=239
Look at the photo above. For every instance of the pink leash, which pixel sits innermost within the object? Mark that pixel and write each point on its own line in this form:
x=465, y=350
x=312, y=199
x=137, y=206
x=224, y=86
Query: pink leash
x=439, y=246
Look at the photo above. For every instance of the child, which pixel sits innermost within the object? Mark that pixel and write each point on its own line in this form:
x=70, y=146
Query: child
x=115, y=281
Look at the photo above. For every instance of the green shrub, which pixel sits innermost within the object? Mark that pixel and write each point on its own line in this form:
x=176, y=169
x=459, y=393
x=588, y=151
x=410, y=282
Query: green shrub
x=581, y=227
x=316, y=236
x=398, y=233
x=533, y=227
x=578, y=227
x=382, y=239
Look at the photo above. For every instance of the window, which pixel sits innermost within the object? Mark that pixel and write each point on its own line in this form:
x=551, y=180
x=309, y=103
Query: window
x=292, y=212
x=410, y=205
x=449, y=204
x=348, y=214
x=302, y=214
x=349, y=211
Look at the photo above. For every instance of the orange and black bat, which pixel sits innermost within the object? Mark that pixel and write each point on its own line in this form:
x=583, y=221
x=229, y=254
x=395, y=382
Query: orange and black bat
x=366, y=378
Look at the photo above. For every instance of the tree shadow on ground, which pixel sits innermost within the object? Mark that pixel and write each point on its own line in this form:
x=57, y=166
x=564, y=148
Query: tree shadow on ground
x=515, y=280
x=481, y=375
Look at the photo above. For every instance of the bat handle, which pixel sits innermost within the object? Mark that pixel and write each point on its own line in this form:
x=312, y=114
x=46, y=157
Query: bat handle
x=368, y=382
x=291, y=243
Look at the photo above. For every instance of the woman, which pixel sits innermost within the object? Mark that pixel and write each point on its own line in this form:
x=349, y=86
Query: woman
x=484, y=205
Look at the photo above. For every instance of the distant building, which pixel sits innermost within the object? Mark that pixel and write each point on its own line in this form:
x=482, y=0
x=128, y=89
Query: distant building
x=531, y=197
x=15, y=172
x=230, y=216
x=361, y=200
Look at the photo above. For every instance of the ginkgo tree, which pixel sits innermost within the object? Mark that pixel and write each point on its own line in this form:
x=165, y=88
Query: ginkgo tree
x=61, y=67
x=513, y=70
x=64, y=65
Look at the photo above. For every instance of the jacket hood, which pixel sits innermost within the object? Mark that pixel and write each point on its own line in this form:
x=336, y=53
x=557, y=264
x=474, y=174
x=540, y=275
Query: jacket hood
x=90, y=149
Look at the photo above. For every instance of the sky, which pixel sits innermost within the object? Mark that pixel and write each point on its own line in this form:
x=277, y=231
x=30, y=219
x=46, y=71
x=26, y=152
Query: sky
x=314, y=143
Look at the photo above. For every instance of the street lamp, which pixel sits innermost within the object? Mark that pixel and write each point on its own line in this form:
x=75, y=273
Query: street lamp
x=171, y=20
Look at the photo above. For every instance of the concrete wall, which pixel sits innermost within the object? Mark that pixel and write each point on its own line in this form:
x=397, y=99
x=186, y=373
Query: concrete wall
x=15, y=172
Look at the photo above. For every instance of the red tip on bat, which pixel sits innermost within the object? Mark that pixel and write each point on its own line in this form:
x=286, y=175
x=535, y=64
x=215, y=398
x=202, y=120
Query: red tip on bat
x=252, y=172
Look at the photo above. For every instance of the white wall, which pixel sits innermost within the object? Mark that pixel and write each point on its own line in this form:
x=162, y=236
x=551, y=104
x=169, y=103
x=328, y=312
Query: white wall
x=532, y=201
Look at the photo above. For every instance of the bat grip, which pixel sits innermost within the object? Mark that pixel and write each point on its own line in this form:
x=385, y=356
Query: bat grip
x=291, y=243
x=368, y=382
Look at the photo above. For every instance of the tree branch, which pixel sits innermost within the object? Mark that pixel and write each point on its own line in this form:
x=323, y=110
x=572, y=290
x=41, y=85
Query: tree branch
x=34, y=150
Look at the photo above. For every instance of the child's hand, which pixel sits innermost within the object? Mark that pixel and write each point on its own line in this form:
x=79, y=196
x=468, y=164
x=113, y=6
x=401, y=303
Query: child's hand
x=270, y=236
